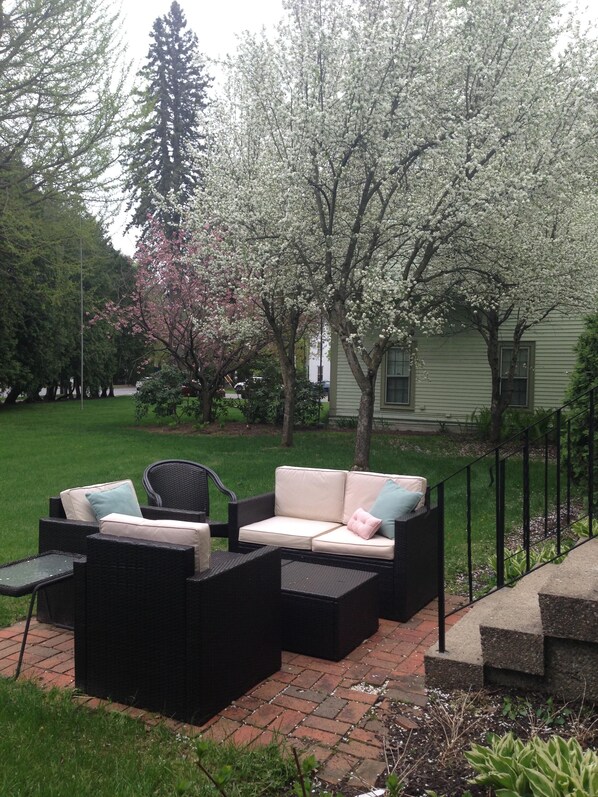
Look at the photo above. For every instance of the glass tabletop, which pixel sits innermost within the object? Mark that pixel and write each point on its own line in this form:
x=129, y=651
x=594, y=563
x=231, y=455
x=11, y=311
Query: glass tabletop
x=24, y=576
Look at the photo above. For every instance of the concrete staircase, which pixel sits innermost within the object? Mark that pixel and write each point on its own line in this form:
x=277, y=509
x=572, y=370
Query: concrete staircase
x=540, y=635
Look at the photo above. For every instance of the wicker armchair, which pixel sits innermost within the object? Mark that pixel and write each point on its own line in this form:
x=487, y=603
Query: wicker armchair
x=150, y=633
x=181, y=484
x=56, y=533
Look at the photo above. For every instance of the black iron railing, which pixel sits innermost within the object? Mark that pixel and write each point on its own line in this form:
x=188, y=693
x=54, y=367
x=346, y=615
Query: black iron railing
x=518, y=506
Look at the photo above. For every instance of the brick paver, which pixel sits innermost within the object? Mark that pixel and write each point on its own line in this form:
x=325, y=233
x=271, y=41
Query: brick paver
x=333, y=710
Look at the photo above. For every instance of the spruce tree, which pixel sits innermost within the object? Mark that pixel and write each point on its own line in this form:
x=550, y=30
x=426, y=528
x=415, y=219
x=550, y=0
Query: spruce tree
x=161, y=174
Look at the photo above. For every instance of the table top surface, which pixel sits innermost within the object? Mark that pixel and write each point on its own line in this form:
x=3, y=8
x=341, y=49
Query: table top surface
x=22, y=577
x=323, y=580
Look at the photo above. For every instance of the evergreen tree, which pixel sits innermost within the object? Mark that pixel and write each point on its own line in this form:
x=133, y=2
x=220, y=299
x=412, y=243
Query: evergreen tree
x=161, y=172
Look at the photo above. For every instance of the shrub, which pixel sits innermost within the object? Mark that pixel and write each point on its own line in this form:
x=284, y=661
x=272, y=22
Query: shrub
x=162, y=392
x=165, y=393
x=263, y=400
x=514, y=422
x=537, y=768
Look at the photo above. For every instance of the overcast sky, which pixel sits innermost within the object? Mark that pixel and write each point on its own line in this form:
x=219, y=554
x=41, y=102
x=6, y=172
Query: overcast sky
x=215, y=22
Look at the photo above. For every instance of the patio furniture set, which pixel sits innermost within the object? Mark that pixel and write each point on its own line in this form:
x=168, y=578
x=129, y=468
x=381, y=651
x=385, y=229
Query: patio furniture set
x=166, y=624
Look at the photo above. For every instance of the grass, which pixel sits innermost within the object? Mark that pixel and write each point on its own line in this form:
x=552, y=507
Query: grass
x=52, y=747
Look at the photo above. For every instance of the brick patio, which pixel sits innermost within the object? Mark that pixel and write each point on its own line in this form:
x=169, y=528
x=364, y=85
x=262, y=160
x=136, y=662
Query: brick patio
x=333, y=710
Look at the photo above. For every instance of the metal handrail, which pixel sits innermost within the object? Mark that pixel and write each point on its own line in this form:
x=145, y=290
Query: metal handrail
x=557, y=424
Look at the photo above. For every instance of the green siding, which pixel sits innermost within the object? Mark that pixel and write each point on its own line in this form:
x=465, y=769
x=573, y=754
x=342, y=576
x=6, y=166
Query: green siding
x=452, y=375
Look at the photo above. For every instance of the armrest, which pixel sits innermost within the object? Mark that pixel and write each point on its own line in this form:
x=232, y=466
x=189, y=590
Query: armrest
x=416, y=559
x=56, y=508
x=165, y=513
x=248, y=510
x=60, y=534
x=230, y=561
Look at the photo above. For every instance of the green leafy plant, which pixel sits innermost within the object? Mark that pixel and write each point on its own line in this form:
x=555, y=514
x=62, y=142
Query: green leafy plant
x=263, y=399
x=162, y=392
x=538, y=768
x=346, y=423
x=514, y=422
x=514, y=707
x=553, y=716
x=581, y=528
x=516, y=561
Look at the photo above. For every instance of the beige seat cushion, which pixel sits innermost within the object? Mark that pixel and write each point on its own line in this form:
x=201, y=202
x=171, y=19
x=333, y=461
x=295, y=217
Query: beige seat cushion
x=310, y=493
x=285, y=532
x=362, y=489
x=75, y=504
x=178, y=532
x=343, y=541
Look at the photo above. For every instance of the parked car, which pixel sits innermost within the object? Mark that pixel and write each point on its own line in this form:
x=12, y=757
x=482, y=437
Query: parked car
x=241, y=387
x=321, y=389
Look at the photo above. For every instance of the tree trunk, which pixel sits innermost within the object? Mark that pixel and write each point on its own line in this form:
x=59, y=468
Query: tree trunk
x=289, y=381
x=365, y=423
x=12, y=395
x=206, y=404
x=366, y=380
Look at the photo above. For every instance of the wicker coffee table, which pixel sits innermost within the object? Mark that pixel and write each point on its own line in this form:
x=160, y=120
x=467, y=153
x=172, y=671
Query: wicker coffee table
x=327, y=611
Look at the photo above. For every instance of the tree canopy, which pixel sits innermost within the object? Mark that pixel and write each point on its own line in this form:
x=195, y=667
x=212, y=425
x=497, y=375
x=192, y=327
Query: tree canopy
x=382, y=130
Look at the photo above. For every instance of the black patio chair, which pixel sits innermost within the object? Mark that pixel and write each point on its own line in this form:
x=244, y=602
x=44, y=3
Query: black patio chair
x=182, y=484
x=152, y=633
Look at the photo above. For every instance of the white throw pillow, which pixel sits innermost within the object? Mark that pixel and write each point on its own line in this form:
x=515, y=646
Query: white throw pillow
x=75, y=504
x=178, y=532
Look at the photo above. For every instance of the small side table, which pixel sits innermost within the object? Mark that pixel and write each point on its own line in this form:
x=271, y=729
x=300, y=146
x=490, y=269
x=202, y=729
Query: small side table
x=327, y=611
x=29, y=576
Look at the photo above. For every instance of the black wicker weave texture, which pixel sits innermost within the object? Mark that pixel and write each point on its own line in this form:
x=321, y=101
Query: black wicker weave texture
x=182, y=484
x=327, y=611
x=151, y=634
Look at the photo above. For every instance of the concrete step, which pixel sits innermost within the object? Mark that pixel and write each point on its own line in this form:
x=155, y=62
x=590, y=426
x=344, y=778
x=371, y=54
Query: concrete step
x=540, y=635
x=568, y=601
x=461, y=665
x=514, y=639
x=571, y=672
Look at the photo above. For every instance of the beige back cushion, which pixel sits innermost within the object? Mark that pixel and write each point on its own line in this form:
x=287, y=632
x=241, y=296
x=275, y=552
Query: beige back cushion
x=75, y=504
x=362, y=489
x=178, y=532
x=309, y=493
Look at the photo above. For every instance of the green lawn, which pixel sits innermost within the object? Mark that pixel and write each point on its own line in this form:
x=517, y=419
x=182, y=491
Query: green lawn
x=48, y=745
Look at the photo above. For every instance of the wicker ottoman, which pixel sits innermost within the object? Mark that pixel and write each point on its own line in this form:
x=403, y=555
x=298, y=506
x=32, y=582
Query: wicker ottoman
x=327, y=611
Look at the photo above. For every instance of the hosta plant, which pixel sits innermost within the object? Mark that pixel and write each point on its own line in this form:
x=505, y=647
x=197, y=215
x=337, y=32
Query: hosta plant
x=537, y=768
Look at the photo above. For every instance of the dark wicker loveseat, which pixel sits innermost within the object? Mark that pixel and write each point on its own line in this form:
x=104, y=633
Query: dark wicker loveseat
x=151, y=633
x=407, y=581
x=56, y=533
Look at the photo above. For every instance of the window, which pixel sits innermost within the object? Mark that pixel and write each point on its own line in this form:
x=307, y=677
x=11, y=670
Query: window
x=397, y=383
x=521, y=378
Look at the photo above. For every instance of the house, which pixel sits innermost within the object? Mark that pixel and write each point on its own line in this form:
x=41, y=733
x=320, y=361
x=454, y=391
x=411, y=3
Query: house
x=450, y=376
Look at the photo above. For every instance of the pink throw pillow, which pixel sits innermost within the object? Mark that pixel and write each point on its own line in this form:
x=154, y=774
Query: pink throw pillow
x=363, y=524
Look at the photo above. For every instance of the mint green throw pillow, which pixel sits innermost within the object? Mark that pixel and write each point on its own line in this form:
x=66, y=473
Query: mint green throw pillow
x=121, y=499
x=393, y=502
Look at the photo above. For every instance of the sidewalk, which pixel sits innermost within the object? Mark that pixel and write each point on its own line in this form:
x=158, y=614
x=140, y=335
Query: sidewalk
x=333, y=710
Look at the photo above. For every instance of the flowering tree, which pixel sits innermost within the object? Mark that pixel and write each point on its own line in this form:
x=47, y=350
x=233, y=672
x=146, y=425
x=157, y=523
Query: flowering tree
x=514, y=272
x=388, y=127
x=237, y=171
x=187, y=305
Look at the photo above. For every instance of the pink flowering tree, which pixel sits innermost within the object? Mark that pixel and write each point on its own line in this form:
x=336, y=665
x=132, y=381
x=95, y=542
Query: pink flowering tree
x=188, y=307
